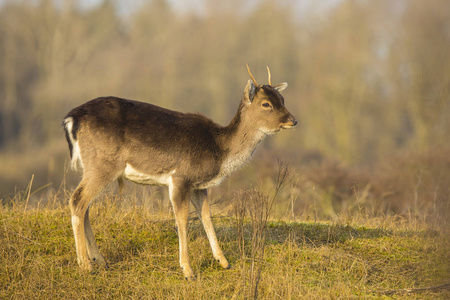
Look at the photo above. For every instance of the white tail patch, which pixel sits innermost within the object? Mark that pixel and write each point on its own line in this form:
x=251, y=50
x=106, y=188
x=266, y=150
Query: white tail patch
x=76, y=155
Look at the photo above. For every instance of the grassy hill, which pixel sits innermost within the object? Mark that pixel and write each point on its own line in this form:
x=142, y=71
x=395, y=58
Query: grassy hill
x=361, y=257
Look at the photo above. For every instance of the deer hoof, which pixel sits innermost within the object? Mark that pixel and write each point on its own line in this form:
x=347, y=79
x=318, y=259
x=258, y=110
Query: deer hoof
x=190, y=278
x=99, y=260
x=86, y=266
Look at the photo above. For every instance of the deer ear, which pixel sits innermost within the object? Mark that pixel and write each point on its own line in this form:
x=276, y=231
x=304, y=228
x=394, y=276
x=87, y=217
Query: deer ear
x=281, y=86
x=250, y=91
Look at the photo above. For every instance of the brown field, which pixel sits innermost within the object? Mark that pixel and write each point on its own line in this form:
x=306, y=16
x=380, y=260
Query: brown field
x=276, y=253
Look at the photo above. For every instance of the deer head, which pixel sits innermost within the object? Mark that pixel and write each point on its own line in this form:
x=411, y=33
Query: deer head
x=264, y=106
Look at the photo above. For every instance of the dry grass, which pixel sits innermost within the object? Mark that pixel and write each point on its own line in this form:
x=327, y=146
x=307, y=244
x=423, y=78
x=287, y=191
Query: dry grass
x=361, y=257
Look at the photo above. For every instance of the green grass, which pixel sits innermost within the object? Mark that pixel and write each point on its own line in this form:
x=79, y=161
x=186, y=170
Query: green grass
x=311, y=260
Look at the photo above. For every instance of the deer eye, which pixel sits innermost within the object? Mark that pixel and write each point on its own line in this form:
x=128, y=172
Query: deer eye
x=266, y=105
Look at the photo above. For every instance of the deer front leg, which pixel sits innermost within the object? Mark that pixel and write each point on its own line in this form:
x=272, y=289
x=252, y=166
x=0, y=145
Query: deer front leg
x=179, y=196
x=200, y=201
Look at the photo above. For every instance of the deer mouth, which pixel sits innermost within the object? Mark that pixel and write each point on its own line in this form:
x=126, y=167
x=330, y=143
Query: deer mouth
x=287, y=126
x=292, y=122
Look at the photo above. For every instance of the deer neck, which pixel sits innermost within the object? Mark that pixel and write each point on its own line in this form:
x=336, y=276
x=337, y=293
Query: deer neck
x=239, y=142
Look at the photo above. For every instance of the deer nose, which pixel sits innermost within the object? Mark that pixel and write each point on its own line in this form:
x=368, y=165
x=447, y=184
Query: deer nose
x=293, y=120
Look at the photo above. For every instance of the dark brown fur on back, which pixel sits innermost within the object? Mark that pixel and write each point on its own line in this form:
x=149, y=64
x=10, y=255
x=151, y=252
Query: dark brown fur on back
x=174, y=135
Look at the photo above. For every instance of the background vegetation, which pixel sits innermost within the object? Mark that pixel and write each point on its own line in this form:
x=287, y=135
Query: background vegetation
x=369, y=80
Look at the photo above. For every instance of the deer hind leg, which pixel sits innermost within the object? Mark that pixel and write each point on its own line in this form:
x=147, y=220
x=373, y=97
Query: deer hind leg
x=79, y=205
x=179, y=196
x=200, y=201
x=92, y=248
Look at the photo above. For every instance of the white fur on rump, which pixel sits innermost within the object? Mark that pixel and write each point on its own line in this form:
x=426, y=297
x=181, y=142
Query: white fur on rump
x=76, y=155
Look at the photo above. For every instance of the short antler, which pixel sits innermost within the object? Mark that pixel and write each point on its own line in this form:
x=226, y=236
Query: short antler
x=251, y=76
x=268, y=71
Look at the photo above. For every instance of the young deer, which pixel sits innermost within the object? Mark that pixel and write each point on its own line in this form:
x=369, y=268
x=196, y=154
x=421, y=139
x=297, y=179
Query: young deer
x=116, y=139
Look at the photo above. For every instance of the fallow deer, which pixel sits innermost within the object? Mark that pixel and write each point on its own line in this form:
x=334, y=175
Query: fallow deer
x=115, y=139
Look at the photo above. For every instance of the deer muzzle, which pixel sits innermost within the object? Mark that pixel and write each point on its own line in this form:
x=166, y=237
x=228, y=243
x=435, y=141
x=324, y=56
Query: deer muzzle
x=290, y=123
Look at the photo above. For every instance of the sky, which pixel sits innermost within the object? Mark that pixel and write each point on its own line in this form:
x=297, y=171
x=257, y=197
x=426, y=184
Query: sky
x=126, y=7
x=198, y=6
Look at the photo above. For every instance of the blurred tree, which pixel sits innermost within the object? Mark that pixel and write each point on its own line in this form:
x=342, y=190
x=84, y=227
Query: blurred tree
x=47, y=49
x=366, y=78
x=342, y=111
x=17, y=69
x=420, y=71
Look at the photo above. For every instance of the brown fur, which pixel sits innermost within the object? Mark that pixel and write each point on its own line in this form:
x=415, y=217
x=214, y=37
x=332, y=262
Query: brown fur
x=116, y=139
